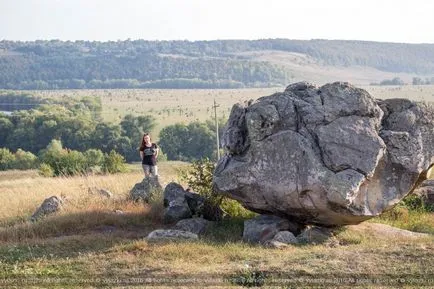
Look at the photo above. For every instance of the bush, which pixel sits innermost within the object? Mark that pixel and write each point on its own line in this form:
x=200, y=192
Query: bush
x=199, y=178
x=45, y=170
x=6, y=159
x=24, y=160
x=114, y=163
x=94, y=157
x=72, y=163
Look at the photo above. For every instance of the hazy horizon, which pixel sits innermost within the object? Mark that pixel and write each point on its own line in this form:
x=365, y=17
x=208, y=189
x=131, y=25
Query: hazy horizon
x=196, y=20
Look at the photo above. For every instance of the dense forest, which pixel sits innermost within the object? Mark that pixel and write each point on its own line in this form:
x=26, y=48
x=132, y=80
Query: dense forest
x=183, y=64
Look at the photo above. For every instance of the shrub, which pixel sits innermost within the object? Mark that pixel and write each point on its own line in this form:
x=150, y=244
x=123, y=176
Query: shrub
x=6, y=159
x=45, y=170
x=24, y=160
x=72, y=163
x=94, y=157
x=199, y=178
x=114, y=163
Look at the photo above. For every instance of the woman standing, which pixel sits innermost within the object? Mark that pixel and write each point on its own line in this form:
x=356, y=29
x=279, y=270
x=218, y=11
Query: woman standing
x=149, y=154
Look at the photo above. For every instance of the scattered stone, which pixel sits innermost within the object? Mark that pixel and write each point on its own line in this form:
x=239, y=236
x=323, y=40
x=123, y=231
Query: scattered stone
x=105, y=193
x=315, y=235
x=50, y=206
x=263, y=228
x=173, y=193
x=176, y=212
x=171, y=235
x=119, y=212
x=145, y=189
x=426, y=191
x=195, y=203
x=285, y=237
x=275, y=244
x=328, y=156
x=193, y=225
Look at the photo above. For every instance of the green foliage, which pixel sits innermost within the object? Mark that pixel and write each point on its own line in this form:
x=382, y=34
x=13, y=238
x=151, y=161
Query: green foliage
x=249, y=278
x=77, y=123
x=199, y=178
x=94, y=157
x=187, y=142
x=114, y=163
x=69, y=162
x=6, y=159
x=46, y=170
x=24, y=160
x=416, y=203
x=202, y=64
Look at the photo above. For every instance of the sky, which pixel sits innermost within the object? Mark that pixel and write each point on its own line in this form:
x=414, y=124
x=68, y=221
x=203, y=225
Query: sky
x=103, y=20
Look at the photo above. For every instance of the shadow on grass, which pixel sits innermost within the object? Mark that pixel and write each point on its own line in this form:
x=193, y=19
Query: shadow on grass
x=73, y=234
x=227, y=230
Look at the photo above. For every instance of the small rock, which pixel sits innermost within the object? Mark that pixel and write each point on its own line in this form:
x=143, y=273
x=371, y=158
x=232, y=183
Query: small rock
x=119, y=212
x=145, y=189
x=48, y=207
x=195, y=203
x=263, y=228
x=105, y=193
x=173, y=193
x=275, y=244
x=172, y=235
x=176, y=212
x=315, y=235
x=285, y=237
x=194, y=225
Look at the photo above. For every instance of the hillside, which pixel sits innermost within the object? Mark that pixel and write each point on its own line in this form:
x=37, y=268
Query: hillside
x=206, y=64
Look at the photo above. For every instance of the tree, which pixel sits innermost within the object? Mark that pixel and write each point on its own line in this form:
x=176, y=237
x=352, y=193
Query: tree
x=187, y=143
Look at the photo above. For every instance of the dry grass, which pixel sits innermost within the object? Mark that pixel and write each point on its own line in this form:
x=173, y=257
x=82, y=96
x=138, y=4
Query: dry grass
x=88, y=244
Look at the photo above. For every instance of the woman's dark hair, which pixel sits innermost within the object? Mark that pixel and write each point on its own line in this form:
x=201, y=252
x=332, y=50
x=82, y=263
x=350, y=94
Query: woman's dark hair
x=142, y=146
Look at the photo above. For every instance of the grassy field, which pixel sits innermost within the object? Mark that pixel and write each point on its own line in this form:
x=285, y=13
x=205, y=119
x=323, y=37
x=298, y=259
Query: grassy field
x=185, y=105
x=88, y=244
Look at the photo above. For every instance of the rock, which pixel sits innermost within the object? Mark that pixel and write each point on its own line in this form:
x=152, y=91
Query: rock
x=176, y=212
x=426, y=191
x=212, y=212
x=173, y=193
x=145, y=189
x=195, y=203
x=329, y=156
x=315, y=235
x=171, y=235
x=105, y=193
x=50, y=206
x=263, y=228
x=285, y=237
x=275, y=244
x=193, y=225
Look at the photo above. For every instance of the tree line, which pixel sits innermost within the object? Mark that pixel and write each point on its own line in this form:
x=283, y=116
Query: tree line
x=74, y=130
x=183, y=64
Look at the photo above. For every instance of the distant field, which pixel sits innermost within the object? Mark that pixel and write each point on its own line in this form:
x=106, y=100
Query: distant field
x=185, y=105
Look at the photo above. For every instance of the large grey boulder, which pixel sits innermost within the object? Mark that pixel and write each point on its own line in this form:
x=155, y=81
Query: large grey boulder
x=49, y=206
x=145, y=189
x=331, y=155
